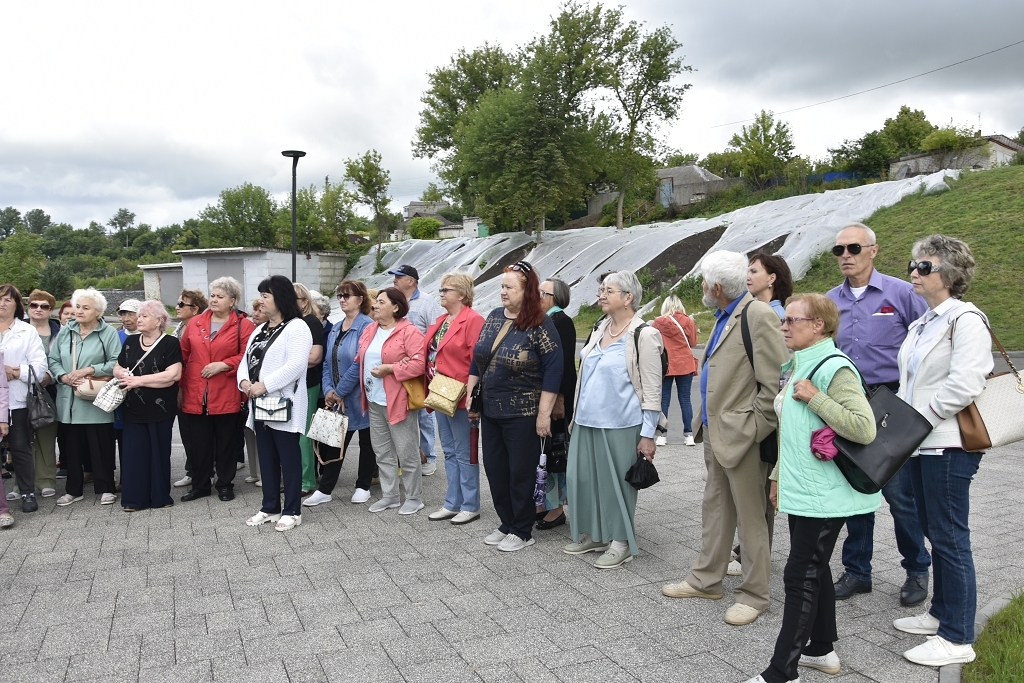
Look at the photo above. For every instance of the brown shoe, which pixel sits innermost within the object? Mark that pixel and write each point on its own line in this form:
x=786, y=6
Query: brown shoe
x=685, y=590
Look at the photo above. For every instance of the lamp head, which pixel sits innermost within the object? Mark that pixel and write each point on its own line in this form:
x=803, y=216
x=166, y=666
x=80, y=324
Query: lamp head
x=293, y=153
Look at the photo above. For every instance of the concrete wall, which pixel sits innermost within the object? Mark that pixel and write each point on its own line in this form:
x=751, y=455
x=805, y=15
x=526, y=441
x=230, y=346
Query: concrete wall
x=114, y=298
x=320, y=271
x=163, y=284
x=983, y=157
x=691, y=193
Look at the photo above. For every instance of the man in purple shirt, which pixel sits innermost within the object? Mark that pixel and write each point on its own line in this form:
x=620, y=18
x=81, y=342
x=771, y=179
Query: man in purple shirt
x=875, y=311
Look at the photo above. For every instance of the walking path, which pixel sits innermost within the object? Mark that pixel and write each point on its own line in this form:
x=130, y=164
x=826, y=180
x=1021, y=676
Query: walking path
x=192, y=594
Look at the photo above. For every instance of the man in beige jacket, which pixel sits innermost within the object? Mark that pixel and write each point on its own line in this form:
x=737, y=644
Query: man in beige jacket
x=737, y=413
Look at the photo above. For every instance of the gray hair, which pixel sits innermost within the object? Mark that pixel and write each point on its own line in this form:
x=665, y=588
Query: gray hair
x=957, y=268
x=870, y=233
x=728, y=269
x=628, y=283
x=560, y=290
x=229, y=286
x=322, y=303
x=671, y=305
x=98, y=300
x=156, y=309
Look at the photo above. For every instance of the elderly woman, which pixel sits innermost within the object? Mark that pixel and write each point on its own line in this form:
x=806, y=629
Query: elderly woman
x=617, y=409
x=769, y=280
x=44, y=445
x=823, y=388
x=390, y=352
x=211, y=350
x=679, y=334
x=341, y=388
x=449, y=350
x=322, y=308
x=148, y=368
x=518, y=364
x=22, y=351
x=191, y=302
x=943, y=364
x=85, y=348
x=258, y=318
x=275, y=365
x=66, y=313
x=554, y=297
x=314, y=372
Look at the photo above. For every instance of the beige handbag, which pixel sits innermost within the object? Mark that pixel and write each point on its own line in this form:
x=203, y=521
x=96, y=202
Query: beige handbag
x=444, y=394
x=91, y=386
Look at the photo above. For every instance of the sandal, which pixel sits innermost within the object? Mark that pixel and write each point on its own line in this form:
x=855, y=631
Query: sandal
x=262, y=518
x=288, y=522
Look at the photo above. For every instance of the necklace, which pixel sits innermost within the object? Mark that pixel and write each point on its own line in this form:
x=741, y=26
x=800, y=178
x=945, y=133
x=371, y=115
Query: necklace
x=613, y=335
x=142, y=341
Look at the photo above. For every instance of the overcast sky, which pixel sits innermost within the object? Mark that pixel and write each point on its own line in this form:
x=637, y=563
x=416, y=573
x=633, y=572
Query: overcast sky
x=157, y=107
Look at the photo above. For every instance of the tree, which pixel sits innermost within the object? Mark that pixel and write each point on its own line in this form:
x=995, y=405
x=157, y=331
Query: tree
x=121, y=222
x=57, y=278
x=371, y=183
x=423, y=228
x=1020, y=136
x=951, y=138
x=765, y=146
x=22, y=260
x=37, y=221
x=907, y=130
x=10, y=219
x=242, y=217
x=869, y=155
x=432, y=194
x=725, y=164
x=678, y=158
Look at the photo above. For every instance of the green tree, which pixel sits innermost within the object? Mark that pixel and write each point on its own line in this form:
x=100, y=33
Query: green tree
x=423, y=228
x=725, y=164
x=371, y=184
x=1020, y=136
x=37, y=221
x=242, y=217
x=57, y=278
x=869, y=155
x=678, y=158
x=432, y=194
x=907, y=130
x=120, y=224
x=10, y=219
x=21, y=261
x=951, y=138
x=765, y=147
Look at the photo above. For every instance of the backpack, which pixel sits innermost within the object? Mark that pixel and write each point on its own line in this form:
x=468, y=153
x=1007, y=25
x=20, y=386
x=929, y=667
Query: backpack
x=664, y=353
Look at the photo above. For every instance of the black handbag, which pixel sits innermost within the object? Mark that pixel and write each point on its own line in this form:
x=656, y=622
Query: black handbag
x=41, y=409
x=900, y=430
x=642, y=474
x=558, y=452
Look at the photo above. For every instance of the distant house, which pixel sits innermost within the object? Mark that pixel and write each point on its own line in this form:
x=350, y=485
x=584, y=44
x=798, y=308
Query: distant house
x=679, y=185
x=996, y=150
x=418, y=209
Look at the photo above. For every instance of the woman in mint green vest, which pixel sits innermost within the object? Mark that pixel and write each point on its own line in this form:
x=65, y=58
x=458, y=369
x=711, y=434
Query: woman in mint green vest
x=812, y=491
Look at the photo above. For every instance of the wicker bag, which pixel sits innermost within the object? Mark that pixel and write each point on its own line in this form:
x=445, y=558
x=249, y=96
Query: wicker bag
x=444, y=394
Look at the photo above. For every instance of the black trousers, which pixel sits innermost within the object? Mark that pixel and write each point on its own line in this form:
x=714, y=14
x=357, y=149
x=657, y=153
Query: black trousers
x=810, y=611
x=185, y=430
x=511, y=453
x=330, y=472
x=92, y=443
x=214, y=448
x=19, y=443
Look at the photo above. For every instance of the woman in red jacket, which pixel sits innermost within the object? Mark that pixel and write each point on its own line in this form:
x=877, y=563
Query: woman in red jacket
x=211, y=349
x=680, y=335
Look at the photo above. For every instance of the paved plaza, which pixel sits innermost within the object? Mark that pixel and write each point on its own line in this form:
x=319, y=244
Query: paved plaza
x=190, y=593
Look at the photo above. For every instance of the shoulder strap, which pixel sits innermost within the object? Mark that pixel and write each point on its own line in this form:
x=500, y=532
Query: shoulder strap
x=672, y=317
x=748, y=344
x=837, y=355
x=238, y=330
x=636, y=341
x=151, y=348
x=1006, y=356
x=494, y=347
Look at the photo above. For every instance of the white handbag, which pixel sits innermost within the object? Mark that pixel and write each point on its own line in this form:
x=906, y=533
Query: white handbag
x=328, y=427
x=272, y=409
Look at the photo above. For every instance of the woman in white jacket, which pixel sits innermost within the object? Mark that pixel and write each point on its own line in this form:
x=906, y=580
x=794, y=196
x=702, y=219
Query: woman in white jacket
x=943, y=364
x=22, y=349
x=275, y=365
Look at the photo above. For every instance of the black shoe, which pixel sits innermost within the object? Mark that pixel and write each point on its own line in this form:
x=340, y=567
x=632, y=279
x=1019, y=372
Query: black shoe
x=847, y=587
x=557, y=521
x=28, y=502
x=194, y=494
x=541, y=515
x=226, y=494
x=62, y=473
x=914, y=591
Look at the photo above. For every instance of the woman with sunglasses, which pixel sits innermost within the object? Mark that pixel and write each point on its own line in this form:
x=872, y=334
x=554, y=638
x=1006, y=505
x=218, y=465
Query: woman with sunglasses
x=44, y=445
x=518, y=363
x=191, y=302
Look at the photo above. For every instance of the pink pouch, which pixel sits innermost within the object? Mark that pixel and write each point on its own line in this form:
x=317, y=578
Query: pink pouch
x=823, y=444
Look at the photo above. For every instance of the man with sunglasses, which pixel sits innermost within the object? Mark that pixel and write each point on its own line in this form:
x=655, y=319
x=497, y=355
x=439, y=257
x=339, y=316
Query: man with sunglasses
x=875, y=311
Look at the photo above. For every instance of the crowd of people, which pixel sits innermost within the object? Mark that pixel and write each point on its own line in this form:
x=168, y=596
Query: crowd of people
x=555, y=430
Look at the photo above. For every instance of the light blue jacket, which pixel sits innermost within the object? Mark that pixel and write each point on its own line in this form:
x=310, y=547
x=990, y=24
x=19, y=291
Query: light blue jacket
x=99, y=350
x=348, y=371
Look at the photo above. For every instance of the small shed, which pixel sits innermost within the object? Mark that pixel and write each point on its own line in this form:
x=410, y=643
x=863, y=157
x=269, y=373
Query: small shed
x=162, y=281
x=991, y=151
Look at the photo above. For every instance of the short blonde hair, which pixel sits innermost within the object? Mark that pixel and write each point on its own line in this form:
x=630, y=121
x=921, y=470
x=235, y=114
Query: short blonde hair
x=229, y=286
x=98, y=300
x=461, y=283
x=672, y=305
x=819, y=307
x=156, y=309
x=302, y=293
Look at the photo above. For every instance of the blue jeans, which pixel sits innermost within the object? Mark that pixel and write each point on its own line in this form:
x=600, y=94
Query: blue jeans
x=463, y=478
x=427, y=432
x=860, y=529
x=683, y=383
x=943, y=514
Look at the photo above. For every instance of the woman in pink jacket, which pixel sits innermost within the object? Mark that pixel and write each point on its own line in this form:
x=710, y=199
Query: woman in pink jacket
x=390, y=352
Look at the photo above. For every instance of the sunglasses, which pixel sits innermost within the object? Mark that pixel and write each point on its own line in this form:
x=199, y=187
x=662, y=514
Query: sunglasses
x=522, y=267
x=346, y=296
x=854, y=249
x=182, y=304
x=39, y=306
x=923, y=267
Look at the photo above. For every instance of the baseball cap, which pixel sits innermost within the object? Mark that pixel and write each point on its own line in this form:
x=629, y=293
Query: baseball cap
x=130, y=305
x=406, y=270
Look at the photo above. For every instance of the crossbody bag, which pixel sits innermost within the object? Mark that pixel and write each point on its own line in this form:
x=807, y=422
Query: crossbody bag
x=476, y=403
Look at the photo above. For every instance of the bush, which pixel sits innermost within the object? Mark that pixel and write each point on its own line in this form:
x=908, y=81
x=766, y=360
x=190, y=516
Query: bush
x=57, y=278
x=450, y=213
x=423, y=228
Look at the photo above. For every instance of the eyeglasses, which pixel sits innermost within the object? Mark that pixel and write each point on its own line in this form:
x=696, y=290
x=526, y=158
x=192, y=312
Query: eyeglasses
x=445, y=290
x=789, y=321
x=854, y=249
x=923, y=267
x=607, y=291
x=543, y=293
x=522, y=267
x=182, y=304
x=39, y=305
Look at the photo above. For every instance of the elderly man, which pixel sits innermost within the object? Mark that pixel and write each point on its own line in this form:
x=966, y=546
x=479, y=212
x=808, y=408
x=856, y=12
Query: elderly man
x=128, y=312
x=738, y=392
x=423, y=311
x=875, y=311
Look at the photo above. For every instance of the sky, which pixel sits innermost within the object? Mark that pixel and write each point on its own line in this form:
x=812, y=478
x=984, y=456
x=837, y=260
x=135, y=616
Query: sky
x=157, y=107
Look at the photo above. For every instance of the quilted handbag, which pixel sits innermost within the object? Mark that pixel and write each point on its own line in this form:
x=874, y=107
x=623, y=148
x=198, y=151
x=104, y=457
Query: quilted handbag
x=272, y=409
x=328, y=426
x=444, y=394
x=415, y=389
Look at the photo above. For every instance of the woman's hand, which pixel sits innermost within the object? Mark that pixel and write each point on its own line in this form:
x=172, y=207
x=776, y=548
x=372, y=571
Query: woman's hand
x=4, y=429
x=382, y=370
x=12, y=372
x=214, y=368
x=804, y=390
x=130, y=381
x=543, y=424
x=256, y=389
x=331, y=398
x=45, y=380
x=473, y=417
x=646, y=448
x=75, y=377
x=773, y=494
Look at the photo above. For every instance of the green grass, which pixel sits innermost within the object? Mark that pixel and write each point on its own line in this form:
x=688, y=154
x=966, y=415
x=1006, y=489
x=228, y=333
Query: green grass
x=986, y=210
x=1000, y=647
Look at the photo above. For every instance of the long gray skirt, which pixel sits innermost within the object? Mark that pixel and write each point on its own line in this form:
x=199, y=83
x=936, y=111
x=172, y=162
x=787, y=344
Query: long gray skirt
x=601, y=503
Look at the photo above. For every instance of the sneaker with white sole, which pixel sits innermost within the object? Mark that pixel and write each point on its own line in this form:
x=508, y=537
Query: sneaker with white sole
x=465, y=517
x=937, y=651
x=495, y=537
x=262, y=518
x=410, y=507
x=361, y=496
x=108, y=499
x=688, y=440
x=239, y=466
x=48, y=492
x=429, y=468
x=385, y=504
x=443, y=513
x=288, y=522
x=259, y=483
x=68, y=499
x=513, y=543
x=316, y=498
x=734, y=569
x=613, y=558
x=251, y=479
x=921, y=625
x=662, y=440
x=828, y=663
x=183, y=482
x=741, y=615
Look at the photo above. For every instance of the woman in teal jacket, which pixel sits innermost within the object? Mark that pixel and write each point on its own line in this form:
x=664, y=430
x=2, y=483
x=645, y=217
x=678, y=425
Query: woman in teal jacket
x=85, y=347
x=812, y=491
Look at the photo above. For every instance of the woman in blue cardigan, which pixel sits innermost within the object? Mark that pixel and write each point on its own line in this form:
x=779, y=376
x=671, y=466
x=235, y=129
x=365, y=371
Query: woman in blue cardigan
x=341, y=386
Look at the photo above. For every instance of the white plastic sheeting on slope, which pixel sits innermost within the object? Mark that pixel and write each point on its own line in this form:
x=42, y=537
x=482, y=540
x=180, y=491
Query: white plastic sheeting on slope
x=578, y=256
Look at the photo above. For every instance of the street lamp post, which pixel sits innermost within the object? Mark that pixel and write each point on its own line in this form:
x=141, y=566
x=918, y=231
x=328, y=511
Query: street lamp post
x=295, y=156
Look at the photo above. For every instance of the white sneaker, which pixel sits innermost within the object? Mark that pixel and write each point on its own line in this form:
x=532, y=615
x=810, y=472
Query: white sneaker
x=828, y=663
x=937, y=651
x=495, y=537
x=410, y=507
x=361, y=496
x=288, y=522
x=316, y=498
x=251, y=479
x=262, y=518
x=735, y=569
x=239, y=465
x=688, y=440
x=108, y=499
x=465, y=517
x=923, y=625
x=429, y=468
x=47, y=492
x=513, y=543
x=443, y=513
x=384, y=504
x=662, y=440
x=259, y=483
x=184, y=481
